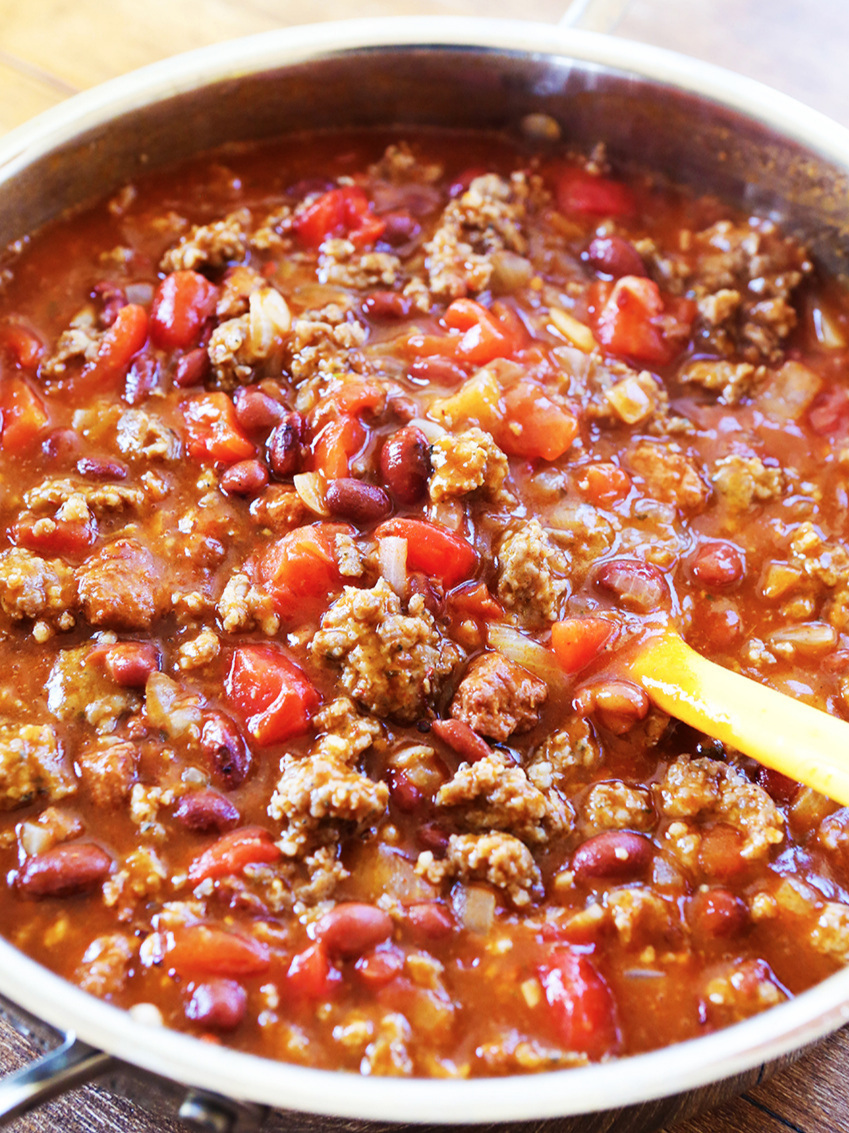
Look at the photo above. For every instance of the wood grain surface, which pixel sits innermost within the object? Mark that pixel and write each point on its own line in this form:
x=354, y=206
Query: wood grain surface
x=51, y=49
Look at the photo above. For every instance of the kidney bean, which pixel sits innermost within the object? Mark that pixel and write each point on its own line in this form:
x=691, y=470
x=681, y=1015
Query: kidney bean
x=636, y=585
x=61, y=445
x=378, y=968
x=421, y=584
x=95, y=469
x=142, y=379
x=245, y=478
x=404, y=793
x=218, y=1003
x=112, y=299
x=432, y=836
x=405, y=464
x=228, y=754
x=192, y=368
x=401, y=228
x=462, y=739
x=717, y=913
x=779, y=787
x=615, y=256
x=440, y=371
x=428, y=921
x=718, y=564
x=386, y=305
x=257, y=411
x=130, y=663
x=283, y=447
x=349, y=498
x=206, y=810
x=64, y=870
x=615, y=855
x=352, y=928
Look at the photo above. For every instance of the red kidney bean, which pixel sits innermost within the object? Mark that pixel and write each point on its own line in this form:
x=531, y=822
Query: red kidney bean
x=64, y=870
x=718, y=564
x=636, y=585
x=401, y=228
x=283, y=447
x=615, y=855
x=421, y=584
x=218, y=1003
x=717, y=913
x=245, y=478
x=61, y=445
x=112, y=299
x=192, y=368
x=205, y=810
x=462, y=739
x=378, y=968
x=349, y=498
x=228, y=754
x=130, y=663
x=404, y=793
x=142, y=379
x=257, y=411
x=615, y=256
x=779, y=787
x=95, y=469
x=405, y=464
x=386, y=305
x=428, y=921
x=352, y=928
x=440, y=371
x=432, y=836
x=829, y=411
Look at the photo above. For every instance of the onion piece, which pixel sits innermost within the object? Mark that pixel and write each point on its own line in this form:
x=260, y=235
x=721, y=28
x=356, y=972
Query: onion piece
x=575, y=332
x=392, y=556
x=810, y=638
x=311, y=487
x=474, y=907
x=527, y=653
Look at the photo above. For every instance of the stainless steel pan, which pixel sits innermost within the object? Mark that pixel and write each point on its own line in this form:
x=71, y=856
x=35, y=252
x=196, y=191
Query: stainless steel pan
x=705, y=127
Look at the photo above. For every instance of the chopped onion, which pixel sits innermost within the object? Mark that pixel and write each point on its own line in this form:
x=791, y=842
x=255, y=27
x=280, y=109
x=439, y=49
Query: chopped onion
x=431, y=429
x=169, y=709
x=527, y=653
x=392, y=556
x=311, y=487
x=34, y=838
x=510, y=271
x=788, y=392
x=474, y=907
x=574, y=331
x=808, y=638
x=268, y=318
x=827, y=330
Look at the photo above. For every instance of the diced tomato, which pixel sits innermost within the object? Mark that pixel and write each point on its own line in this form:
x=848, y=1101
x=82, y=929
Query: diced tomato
x=212, y=430
x=56, y=536
x=605, y=484
x=311, y=974
x=632, y=319
x=577, y=641
x=121, y=342
x=829, y=412
x=358, y=397
x=582, y=1007
x=250, y=845
x=183, y=302
x=434, y=550
x=335, y=445
x=475, y=601
x=23, y=344
x=24, y=416
x=485, y=334
x=344, y=212
x=578, y=190
x=534, y=426
x=274, y=696
x=299, y=570
x=378, y=968
x=201, y=950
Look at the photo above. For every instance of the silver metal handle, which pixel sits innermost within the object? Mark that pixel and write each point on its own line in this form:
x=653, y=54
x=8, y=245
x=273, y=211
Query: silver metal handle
x=69, y=1065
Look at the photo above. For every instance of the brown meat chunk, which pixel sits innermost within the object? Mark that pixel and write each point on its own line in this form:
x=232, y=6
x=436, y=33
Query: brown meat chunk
x=732, y=380
x=830, y=934
x=326, y=340
x=745, y=480
x=497, y=697
x=618, y=806
x=238, y=346
x=143, y=437
x=120, y=586
x=342, y=264
x=391, y=662
x=81, y=688
x=317, y=792
x=31, y=763
x=33, y=587
x=495, y=794
x=532, y=574
x=565, y=756
x=243, y=607
x=210, y=245
x=107, y=770
x=465, y=462
x=105, y=964
x=743, y=989
x=101, y=499
x=498, y=858
x=669, y=476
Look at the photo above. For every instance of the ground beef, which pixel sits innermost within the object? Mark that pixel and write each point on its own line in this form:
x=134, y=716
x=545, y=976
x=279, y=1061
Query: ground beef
x=342, y=264
x=79, y=687
x=494, y=793
x=643, y=918
x=618, y=806
x=732, y=380
x=210, y=245
x=317, y=792
x=465, y=462
x=565, y=756
x=325, y=339
x=532, y=576
x=743, y=989
x=80, y=341
x=239, y=346
x=498, y=858
x=31, y=763
x=105, y=964
x=33, y=587
x=486, y=218
x=745, y=480
x=143, y=437
x=107, y=769
x=830, y=934
x=101, y=499
x=497, y=697
x=391, y=662
x=705, y=788
x=669, y=476
x=243, y=607
x=280, y=509
x=120, y=586
x=238, y=285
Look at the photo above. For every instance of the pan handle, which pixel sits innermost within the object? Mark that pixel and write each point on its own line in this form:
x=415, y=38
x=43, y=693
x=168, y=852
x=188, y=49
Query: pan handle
x=69, y=1065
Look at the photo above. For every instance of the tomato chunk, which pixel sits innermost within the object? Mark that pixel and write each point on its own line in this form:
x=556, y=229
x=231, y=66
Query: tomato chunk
x=212, y=430
x=604, y=483
x=345, y=211
x=535, y=427
x=251, y=845
x=311, y=974
x=335, y=445
x=183, y=302
x=299, y=571
x=577, y=641
x=274, y=696
x=24, y=416
x=578, y=190
x=632, y=319
x=581, y=1004
x=485, y=335
x=432, y=549
x=119, y=345
x=201, y=950
x=57, y=536
x=22, y=344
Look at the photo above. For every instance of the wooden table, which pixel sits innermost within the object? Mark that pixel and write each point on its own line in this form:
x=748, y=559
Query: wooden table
x=50, y=49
